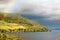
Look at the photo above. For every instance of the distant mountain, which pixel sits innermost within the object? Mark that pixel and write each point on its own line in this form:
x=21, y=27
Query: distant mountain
x=17, y=23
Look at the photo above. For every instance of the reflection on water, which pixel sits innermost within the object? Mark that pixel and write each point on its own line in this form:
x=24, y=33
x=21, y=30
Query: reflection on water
x=39, y=35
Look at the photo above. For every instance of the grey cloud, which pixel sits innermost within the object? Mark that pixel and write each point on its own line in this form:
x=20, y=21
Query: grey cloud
x=50, y=9
x=3, y=1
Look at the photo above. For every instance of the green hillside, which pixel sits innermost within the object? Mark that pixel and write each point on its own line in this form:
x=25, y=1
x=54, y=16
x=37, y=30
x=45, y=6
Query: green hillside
x=17, y=23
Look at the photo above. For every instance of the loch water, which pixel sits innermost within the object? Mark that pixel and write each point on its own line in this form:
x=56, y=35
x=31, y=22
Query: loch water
x=39, y=35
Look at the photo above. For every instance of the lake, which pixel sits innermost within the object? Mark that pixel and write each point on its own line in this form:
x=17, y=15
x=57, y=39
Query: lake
x=39, y=35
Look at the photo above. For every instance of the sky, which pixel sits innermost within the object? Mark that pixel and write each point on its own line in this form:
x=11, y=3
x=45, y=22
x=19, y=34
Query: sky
x=46, y=10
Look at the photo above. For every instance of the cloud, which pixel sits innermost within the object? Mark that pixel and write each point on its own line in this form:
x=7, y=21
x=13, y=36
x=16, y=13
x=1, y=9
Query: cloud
x=3, y=1
x=50, y=9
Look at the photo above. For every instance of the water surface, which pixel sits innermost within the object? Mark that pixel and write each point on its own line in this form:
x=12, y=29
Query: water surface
x=39, y=35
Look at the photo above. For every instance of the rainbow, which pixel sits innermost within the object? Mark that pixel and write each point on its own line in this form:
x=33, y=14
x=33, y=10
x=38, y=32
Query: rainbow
x=8, y=6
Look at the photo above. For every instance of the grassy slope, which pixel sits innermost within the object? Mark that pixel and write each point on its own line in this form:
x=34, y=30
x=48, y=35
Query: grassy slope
x=9, y=37
x=15, y=22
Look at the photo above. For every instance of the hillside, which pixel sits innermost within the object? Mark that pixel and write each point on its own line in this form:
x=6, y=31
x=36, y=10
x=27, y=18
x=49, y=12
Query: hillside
x=17, y=23
x=9, y=37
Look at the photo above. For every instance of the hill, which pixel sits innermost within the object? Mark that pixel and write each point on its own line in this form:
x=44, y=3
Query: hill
x=17, y=23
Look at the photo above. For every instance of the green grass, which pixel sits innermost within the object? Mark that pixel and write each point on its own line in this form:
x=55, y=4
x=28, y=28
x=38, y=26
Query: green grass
x=17, y=23
x=4, y=36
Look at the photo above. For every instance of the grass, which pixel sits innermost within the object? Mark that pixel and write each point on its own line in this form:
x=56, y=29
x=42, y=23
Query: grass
x=17, y=23
x=9, y=37
x=58, y=38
